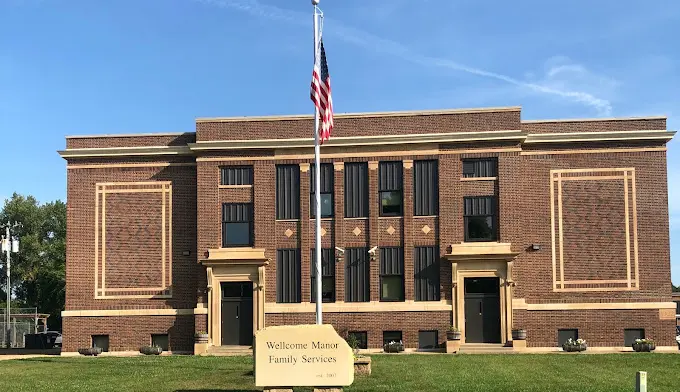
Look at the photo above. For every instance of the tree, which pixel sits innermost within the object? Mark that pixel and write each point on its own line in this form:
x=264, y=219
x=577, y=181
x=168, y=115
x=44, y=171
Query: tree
x=38, y=270
x=676, y=289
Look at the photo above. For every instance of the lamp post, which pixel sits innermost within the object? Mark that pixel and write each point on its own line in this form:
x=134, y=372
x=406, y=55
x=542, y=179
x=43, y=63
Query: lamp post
x=9, y=245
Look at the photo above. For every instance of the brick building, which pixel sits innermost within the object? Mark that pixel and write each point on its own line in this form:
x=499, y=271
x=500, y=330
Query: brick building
x=476, y=218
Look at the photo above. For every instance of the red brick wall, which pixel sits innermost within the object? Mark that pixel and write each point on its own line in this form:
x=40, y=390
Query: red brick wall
x=374, y=323
x=548, y=126
x=533, y=269
x=360, y=126
x=131, y=141
x=523, y=188
x=128, y=333
x=603, y=328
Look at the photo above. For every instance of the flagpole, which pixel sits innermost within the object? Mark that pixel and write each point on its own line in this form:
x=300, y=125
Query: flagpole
x=317, y=173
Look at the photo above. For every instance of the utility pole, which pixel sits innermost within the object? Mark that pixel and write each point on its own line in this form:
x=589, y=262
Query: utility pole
x=9, y=245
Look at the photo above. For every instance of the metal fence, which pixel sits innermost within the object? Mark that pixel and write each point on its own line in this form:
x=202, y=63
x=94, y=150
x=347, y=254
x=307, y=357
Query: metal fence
x=22, y=321
x=16, y=334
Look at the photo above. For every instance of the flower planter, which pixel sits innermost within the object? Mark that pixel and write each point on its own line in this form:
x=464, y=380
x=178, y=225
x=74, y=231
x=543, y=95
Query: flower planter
x=452, y=335
x=571, y=348
x=90, y=351
x=644, y=347
x=393, y=347
x=149, y=350
x=362, y=366
x=519, y=334
x=201, y=338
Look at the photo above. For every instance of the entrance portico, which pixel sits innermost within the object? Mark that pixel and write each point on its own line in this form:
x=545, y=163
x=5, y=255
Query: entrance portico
x=229, y=268
x=472, y=262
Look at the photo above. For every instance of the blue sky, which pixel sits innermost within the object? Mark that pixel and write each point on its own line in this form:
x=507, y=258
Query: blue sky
x=89, y=67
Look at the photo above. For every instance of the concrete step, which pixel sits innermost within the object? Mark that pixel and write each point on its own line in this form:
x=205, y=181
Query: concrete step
x=485, y=348
x=229, y=351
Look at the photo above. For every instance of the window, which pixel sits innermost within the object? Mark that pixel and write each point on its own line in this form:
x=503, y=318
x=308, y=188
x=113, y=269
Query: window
x=565, y=334
x=237, y=175
x=426, y=268
x=327, y=275
x=101, y=341
x=428, y=340
x=391, y=336
x=486, y=167
x=161, y=341
x=390, y=188
x=326, y=191
x=287, y=192
x=425, y=188
x=237, y=225
x=357, y=283
x=480, y=218
x=360, y=337
x=391, y=274
x=629, y=336
x=287, y=276
x=356, y=190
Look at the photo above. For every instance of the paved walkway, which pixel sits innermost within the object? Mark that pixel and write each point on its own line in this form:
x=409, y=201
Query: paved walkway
x=20, y=353
x=8, y=357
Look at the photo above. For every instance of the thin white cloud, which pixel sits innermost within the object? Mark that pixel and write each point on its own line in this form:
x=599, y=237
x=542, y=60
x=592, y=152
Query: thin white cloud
x=375, y=43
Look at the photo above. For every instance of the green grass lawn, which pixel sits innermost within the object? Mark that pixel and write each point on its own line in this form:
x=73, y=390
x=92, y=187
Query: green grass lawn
x=527, y=372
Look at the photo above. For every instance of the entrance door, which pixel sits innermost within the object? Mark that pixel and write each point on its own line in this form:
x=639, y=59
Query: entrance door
x=237, y=313
x=482, y=310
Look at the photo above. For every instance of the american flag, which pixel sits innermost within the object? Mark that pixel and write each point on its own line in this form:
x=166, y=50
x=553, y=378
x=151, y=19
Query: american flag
x=321, y=95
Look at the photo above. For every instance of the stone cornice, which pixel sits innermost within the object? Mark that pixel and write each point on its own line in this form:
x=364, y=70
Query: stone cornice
x=571, y=137
x=373, y=141
x=124, y=151
x=378, y=140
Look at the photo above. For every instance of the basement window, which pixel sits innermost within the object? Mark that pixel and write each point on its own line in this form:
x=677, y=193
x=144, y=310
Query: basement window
x=630, y=335
x=101, y=341
x=160, y=340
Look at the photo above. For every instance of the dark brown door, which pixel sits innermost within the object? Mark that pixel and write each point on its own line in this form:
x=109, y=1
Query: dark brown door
x=474, y=332
x=237, y=314
x=482, y=310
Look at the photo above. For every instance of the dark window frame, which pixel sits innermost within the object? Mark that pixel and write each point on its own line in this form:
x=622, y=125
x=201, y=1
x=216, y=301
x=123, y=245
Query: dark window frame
x=326, y=170
x=386, y=341
x=436, y=339
x=422, y=278
x=288, y=296
x=249, y=221
x=327, y=274
x=475, y=167
x=238, y=178
x=566, y=331
x=361, y=338
x=425, y=190
x=361, y=254
x=356, y=208
x=287, y=192
x=629, y=331
x=161, y=336
x=385, y=186
x=384, y=252
x=94, y=339
x=493, y=215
